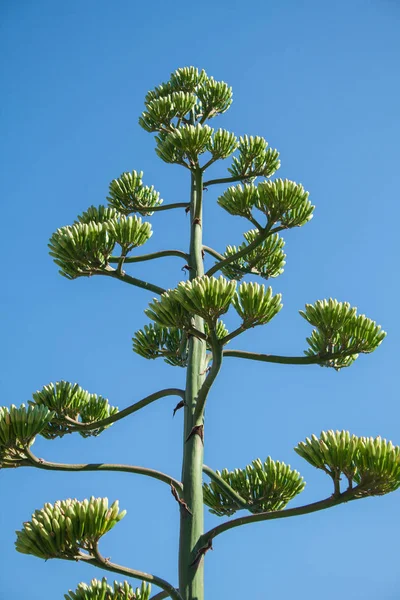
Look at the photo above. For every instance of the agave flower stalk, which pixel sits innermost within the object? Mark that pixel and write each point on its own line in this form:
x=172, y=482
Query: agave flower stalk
x=186, y=330
x=191, y=580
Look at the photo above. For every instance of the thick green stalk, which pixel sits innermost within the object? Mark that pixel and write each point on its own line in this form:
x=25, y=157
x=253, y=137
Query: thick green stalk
x=191, y=572
x=214, y=370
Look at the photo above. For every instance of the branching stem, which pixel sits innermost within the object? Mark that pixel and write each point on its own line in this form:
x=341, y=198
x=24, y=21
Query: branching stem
x=200, y=335
x=286, y=360
x=104, y=563
x=127, y=411
x=221, y=257
x=241, y=253
x=216, y=348
x=254, y=221
x=213, y=252
x=230, y=492
x=152, y=256
x=145, y=285
x=233, y=334
x=233, y=179
x=162, y=206
x=40, y=463
x=160, y=596
x=279, y=514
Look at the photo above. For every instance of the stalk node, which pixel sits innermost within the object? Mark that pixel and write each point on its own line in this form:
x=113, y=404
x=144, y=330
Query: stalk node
x=197, y=430
x=182, y=504
x=201, y=552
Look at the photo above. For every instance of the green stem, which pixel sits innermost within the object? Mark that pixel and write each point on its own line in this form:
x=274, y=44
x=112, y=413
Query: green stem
x=241, y=253
x=40, y=463
x=145, y=285
x=221, y=257
x=162, y=206
x=232, y=179
x=127, y=411
x=216, y=348
x=208, y=164
x=196, y=333
x=286, y=360
x=254, y=221
x=191, y=577
x=152, y=256
x=213, y=252
x=230, y=492
x=160, y=596
x=278, y=514
x=233, y=334
x=104, y=563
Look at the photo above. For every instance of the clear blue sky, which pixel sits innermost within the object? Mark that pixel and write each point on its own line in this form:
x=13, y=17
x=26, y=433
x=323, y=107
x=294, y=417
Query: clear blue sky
x=319, y=81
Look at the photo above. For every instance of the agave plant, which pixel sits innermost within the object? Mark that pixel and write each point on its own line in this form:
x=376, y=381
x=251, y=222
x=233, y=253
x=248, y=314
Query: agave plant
x=186, y=330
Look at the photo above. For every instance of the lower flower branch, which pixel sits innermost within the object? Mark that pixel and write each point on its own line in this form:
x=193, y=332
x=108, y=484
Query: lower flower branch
x=287, y=360
x=145, y=285
x=163, y=206
x=334, y=500
x=40, y=463
x=126, y=411
x=97, y=560
x=152, y=256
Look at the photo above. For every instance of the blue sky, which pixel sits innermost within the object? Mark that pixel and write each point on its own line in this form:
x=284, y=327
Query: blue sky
x=320, y=82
